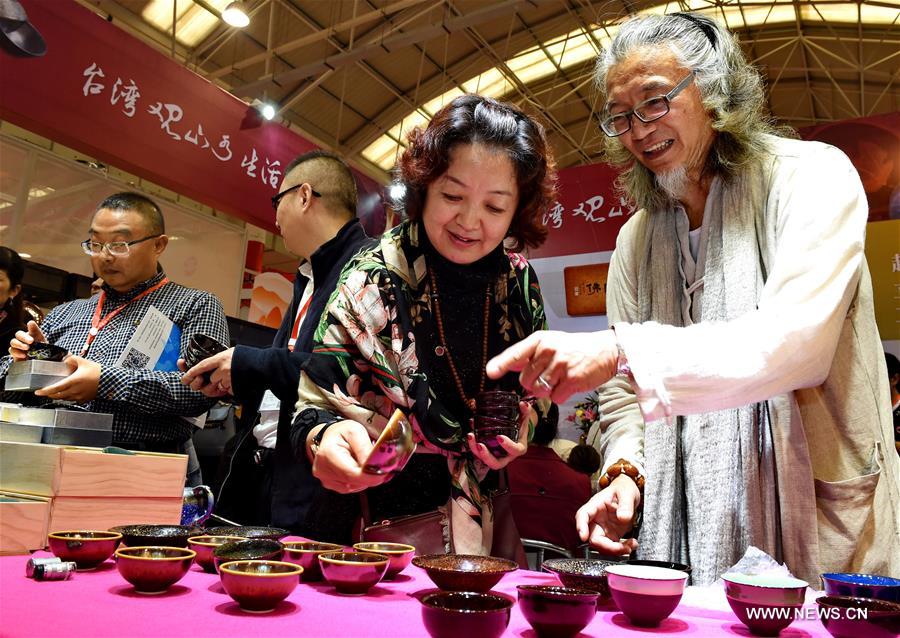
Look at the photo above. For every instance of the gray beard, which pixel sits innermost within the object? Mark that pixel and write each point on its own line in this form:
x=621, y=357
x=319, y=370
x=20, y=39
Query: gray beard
x=673, y=182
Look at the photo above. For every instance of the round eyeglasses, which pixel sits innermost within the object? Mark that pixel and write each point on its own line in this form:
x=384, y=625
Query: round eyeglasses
x=116, y=248
x=647, y=111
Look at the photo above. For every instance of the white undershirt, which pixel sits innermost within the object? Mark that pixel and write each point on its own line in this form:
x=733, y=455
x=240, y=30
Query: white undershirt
x=266, y=430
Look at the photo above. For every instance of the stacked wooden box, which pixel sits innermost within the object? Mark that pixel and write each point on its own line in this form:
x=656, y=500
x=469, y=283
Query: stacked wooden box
x=46, y=488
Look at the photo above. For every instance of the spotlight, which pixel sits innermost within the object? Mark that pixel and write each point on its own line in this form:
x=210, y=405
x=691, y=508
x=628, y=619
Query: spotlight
x=268, y=111
x=235, y=15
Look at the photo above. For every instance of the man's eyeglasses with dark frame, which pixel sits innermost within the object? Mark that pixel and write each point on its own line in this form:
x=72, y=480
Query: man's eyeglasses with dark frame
x=647, y=111
x=116, y=248
x=277, y=198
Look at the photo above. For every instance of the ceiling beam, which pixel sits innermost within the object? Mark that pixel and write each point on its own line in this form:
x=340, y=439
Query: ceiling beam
x=386, y=45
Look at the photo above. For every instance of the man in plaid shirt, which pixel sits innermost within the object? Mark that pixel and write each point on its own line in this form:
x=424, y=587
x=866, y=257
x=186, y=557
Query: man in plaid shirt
x=150, y=408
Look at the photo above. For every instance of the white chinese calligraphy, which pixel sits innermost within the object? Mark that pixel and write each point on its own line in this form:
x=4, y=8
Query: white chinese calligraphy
x=555, y=216
x=128, y=94
x=90, y=86
x=173, y=114
x=594, y=203
x=271, y=172
x=250, y=163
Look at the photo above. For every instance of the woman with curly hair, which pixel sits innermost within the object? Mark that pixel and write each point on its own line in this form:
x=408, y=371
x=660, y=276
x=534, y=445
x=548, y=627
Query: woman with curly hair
x=415, y=319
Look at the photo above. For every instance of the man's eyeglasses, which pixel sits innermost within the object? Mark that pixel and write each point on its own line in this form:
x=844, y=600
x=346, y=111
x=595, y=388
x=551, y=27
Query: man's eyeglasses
x=116, y=248
x=277, y=198
x=647, y=111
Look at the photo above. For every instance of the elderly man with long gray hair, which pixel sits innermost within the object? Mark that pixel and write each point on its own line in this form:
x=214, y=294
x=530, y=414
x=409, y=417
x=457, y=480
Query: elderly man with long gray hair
x=743, y=385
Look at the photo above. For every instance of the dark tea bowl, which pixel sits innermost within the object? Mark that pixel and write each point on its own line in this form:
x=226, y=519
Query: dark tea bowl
x=582, y=573
x=39, y=351
x=464, y=572
x=155, y=535
x=557, y=612
x=247, y=549
x=306, y=555
x=86, y=549
x=201, y=347
x=259, y=585
x=455, y=614
x=152, y=570
x=401, y=555
x=353, y=572
x=248, y=531
x=849, y=617
x=205, y=546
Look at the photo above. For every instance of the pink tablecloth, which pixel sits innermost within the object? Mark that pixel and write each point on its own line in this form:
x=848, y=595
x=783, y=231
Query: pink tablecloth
x=100, y=603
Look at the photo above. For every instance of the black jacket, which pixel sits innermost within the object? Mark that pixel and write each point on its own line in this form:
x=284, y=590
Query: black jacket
x=254, y=370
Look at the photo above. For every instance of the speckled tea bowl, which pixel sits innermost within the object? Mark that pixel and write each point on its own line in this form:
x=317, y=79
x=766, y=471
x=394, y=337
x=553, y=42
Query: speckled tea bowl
x=458, y=614
x=86, y=548
x=862, y=586
x=152, y=570
x=155, y=535
x=557, y=612
x=205, y=546
x=248, y=549
x=646, y=594
x=582, y=573
x=306, y=554
x=400, y=554
x=353, y=572
x=849, y=617
x=248, y=531
x=259, y=585
x=773, y=599
x=464, y=572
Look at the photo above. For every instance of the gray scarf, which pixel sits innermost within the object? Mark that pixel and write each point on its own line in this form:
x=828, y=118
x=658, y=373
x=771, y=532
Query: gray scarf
x=711, y=489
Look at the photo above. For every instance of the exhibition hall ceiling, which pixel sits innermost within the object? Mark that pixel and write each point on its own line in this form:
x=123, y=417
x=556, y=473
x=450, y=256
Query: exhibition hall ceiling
x=355, y=75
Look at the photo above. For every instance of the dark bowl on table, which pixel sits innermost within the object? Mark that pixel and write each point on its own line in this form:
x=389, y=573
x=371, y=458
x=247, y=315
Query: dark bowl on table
x=582, y=573
x=862, y=586
x=557, y=612
x=353, y=572
x=248, y=549
x=155, y=535
x=849, y=617
x=464, y=572
x=87, y=548
x=39, y=351
x=665, y=564
x=248, y=531
x=152, y=570
x=400, y=554
x=259, y=585
x=205, y=546
x=461, y=614
x=306, y=555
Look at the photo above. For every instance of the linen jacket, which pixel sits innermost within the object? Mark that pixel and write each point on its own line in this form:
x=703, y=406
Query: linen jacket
x=813, y=336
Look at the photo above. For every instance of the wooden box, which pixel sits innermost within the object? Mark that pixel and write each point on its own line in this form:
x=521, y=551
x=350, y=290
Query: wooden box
x=23, y=522
x=85, y=488
x=53, y=470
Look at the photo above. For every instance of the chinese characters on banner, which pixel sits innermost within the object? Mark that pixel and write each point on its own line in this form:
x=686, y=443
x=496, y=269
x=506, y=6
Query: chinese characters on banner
x=170, y=114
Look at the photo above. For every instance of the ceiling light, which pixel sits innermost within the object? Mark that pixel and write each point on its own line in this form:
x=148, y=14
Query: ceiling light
x=397, y=191
x=268, y=111
x=235, y=15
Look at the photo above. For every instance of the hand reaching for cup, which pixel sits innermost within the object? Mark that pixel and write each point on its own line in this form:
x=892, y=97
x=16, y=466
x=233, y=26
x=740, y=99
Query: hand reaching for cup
x=559, y=364
x=18, y=345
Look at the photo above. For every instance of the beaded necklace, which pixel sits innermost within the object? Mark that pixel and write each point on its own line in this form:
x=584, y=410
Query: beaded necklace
x=441, y=349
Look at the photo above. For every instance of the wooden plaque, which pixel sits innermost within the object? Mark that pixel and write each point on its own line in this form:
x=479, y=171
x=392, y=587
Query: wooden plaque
x=586, y=289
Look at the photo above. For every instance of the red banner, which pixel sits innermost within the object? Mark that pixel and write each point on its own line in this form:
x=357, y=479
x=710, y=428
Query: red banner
x=588, y=214
x=110, y=96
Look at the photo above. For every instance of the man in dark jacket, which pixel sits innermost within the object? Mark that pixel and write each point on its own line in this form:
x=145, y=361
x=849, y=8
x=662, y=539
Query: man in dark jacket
x=315, y=211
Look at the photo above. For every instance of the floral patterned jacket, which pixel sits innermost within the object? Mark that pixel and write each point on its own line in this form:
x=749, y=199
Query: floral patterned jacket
x=365, y=361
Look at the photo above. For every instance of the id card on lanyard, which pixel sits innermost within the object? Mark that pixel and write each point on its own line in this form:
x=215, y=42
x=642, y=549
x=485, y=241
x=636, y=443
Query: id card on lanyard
x=99, y=321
